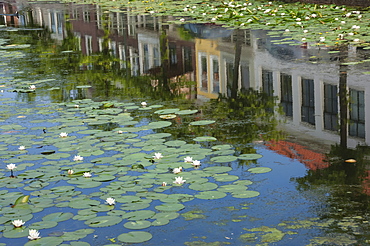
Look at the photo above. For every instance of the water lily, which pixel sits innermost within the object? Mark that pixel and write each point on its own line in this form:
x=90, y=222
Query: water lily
x=355, y=27
x=87, y=175
x=356, y=40
x=63, y=134
x=70, y=172
x=177, y=170
x=313, y=15
x=11, y=166
x=164, y=184
x=322, y=39
x=78, y=158
x=179, y=180
x=144, y=104
x=157, y=156
x=22, y=147
x=182, y=20
x=32, y=87
x=110, y=201
x=196, y=163
x=188, y=159
x=77, y=106
x=18, y=223
x=33, y=234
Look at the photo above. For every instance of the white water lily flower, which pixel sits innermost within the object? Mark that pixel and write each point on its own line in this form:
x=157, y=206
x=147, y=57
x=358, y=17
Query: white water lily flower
x=287, y=30
x=313, y=15
x=342, y=22
x=63, y=134
x=143, y=104
x=87, y=175
x=22, y=147
x=340, y=36
x=78, y=158
x=307, y=18
x=177, y=170
x=18, y=223
x=299, y=23
x=77, y=106
x=164, y=184
x=179, y=180
x=303, y=39
x=196, y=163
x=351, y=34
x=33, y=234
x=182, y=20
x=348, y=14
x=355, y=27
x=322, y=39
x=356, y=40
x=188, y=159
x=32, y=87
x=11, y=166
x=70, y=171
x=305, y=31
x=110, y=201
x=157, y=156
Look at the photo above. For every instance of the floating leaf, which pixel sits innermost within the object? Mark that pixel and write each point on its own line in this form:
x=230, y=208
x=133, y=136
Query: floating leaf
x=135, y=237
x=249, y=156
x=259, y=170
x=202, y=122
x=204, y=139
x=103, y=221
x=210, y=195
x=136, y=225
x=228, y=158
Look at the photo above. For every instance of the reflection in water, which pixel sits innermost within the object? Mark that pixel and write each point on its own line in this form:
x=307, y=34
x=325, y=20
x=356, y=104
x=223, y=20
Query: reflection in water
x=251, y=83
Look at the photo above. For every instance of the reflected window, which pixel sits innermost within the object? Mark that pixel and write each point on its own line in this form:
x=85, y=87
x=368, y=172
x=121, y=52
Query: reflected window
x=308, y=101
x=215, y=76
x=267, y=82
x=145, y=58
x=88, y=43
x=188, y=59
x=86, y=16
x=245, y=83
x=230, y=78
x=173, y=55
x=204, y=74
x=156, y=56
x=113, y=48
x=357, y=114
x=286, y=96
x=331, y=107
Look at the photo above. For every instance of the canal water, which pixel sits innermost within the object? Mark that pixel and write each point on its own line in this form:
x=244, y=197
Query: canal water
x=260, y=113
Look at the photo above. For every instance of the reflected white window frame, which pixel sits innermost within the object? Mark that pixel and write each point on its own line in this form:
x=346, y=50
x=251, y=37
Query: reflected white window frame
x=212, y=71
x=200, y=71
x=88, y=44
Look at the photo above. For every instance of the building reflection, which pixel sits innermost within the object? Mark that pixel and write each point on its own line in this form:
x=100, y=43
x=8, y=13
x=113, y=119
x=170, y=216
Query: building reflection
x=304, y=79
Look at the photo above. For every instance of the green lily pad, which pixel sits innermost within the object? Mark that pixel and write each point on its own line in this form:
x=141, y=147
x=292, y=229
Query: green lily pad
x=221, y=159
x=170, y=207
x=204, y=139
x=210, y=195
x=45, y=241
x=135, y=237
x=202, y=122
x=259, y=170
x=103, y=221
x=203, y=186
x=57, y=217
x=246, y=194
x=136, y=225
x=249, y=156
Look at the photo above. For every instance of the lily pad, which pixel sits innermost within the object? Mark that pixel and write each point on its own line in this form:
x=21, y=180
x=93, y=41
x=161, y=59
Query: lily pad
x=259, y=170
x=103, y=221
x=136, y=225
x=249, y=156
x=202, y=122
x=135, y=237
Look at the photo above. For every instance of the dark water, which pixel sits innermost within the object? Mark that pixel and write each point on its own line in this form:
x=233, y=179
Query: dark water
x=268, y=97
